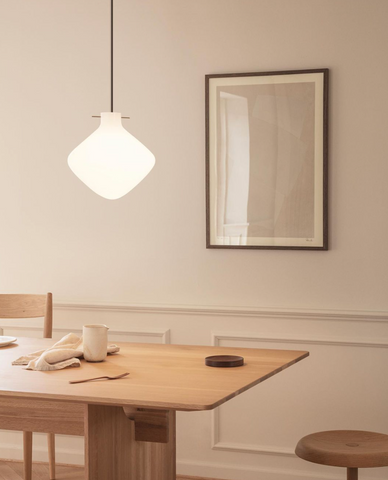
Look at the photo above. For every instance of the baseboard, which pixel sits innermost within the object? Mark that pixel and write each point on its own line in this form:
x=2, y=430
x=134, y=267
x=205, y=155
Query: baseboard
x=231, y=472
x=186, y=470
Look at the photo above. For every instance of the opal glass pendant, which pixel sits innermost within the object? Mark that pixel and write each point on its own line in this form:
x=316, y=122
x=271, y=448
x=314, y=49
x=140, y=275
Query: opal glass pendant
x=111, y=161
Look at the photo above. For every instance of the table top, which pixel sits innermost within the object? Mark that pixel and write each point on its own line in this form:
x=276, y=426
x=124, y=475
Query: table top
x=161, y=376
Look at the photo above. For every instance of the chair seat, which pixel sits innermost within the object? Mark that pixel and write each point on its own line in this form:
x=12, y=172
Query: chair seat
x=345, y=448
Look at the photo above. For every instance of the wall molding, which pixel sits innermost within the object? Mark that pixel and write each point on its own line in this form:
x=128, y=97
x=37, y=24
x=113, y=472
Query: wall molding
x=214, y=470
x=164, y=335
x=216, y=443
x=297, y=339
x=266, y=312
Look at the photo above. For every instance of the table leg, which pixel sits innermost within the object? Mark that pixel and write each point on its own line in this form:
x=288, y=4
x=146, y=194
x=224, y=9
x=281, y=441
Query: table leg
x=112, y=452
x=27, y=455
x=157, y=461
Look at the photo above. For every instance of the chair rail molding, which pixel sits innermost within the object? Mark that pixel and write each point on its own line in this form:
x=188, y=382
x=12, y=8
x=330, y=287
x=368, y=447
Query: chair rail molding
x=260, y=312
x=336, y=341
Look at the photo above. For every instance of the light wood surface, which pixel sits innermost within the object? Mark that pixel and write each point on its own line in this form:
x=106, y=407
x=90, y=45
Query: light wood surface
x=44, y=416
x=111, y=451
x=157, y=461
x=109, y=444
x=161, y=376
x=27, y=455
x=51, y=454
x=11, y=470
x=48, y=317
x=30, y=306
x=129, y=424
x=22, y=306
x=345, y=448
x=150, y=425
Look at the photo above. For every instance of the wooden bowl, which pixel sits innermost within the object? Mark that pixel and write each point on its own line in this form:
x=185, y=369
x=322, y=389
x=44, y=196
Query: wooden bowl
x=224, y=361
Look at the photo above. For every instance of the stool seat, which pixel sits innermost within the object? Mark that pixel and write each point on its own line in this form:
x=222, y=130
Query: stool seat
x=345, y=448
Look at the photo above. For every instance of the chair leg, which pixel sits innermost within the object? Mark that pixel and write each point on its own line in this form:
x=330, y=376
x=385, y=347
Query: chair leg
x=352, y=474
x=51, y=454
x=27, y=455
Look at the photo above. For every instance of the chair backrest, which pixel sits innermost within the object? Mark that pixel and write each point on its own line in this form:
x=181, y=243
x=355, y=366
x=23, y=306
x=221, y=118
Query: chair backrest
x=29, y=306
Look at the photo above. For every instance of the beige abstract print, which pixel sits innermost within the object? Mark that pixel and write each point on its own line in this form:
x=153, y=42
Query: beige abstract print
x=265, y=161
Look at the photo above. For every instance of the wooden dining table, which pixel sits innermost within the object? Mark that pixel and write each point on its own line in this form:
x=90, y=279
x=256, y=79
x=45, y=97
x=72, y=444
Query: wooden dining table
x=128, y=424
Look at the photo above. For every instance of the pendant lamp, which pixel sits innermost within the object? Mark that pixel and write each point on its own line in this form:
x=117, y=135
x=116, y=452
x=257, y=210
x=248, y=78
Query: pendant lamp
x=111, y=161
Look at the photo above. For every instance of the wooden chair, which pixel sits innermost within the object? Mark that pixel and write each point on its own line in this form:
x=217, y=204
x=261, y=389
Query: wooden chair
x=32, y=306
x=352, y=449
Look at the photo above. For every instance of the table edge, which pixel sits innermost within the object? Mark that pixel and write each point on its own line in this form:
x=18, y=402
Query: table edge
x=156, y=405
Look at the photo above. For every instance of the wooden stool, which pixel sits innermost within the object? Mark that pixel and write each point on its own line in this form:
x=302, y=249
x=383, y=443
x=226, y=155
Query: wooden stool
x=352, y=449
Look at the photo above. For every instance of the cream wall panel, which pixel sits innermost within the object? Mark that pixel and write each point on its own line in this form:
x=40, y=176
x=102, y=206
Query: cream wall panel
x=330, y=400
x=251, y=437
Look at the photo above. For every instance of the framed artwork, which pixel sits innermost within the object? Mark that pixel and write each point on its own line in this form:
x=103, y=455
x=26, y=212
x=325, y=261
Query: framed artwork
x=266, y=160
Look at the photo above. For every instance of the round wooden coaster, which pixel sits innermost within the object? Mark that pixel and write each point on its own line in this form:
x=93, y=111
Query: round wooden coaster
x=224, y=361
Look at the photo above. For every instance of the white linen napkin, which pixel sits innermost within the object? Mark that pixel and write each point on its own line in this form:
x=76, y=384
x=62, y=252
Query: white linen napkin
x=65, y=353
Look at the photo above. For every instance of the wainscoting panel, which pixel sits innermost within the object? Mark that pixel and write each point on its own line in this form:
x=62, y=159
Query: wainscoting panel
x=341, y=385
x=330, y=400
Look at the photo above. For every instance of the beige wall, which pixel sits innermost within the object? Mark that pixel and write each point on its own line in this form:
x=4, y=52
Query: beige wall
x=149, y=247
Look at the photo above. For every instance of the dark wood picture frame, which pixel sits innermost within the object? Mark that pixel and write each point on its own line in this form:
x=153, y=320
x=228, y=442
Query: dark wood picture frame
x=323, y=228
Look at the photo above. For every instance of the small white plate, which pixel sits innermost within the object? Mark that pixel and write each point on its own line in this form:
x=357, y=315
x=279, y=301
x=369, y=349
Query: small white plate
x=5, y=341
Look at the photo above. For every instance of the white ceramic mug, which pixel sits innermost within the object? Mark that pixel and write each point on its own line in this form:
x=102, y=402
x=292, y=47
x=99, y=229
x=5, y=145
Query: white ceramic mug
x=95, y=342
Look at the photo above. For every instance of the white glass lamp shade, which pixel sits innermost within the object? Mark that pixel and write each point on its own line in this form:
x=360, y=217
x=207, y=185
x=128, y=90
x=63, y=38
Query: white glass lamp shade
x=111, y=161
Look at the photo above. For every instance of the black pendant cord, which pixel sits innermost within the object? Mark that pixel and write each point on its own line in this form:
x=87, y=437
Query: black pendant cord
x=111, y=55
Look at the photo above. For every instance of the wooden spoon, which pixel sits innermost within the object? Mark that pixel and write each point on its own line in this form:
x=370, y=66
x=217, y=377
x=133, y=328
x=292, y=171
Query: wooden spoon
x=100, y=378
